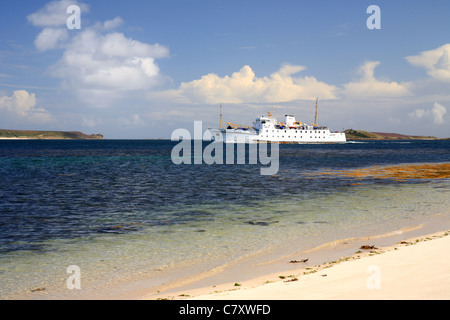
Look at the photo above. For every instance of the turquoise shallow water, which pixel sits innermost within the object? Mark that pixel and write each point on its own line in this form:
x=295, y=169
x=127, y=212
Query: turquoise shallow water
x=122, y=211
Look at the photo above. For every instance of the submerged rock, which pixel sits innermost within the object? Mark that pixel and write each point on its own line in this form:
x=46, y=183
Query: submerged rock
x=260, y=223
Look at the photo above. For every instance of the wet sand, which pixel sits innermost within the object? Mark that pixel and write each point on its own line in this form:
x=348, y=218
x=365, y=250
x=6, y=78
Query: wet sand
x=416, y=268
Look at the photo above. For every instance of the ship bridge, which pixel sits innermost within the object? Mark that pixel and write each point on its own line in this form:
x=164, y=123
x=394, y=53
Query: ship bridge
x=264, y=122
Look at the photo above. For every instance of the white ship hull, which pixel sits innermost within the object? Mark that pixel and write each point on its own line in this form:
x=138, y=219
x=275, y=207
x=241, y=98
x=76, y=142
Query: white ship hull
x=278, y=135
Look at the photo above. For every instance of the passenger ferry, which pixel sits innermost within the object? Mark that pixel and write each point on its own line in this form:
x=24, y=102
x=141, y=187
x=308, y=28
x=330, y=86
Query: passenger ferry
x=268, y=129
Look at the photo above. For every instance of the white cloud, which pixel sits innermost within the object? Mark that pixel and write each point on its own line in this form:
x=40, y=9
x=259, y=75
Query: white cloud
x=98, y=65
x=437, y=113
x=53, y=17
x=49, y=38
x=369, y=87
x=114, y=23
x=54, y=14
x=23, y=104
x=245, y=87
x=436, y=62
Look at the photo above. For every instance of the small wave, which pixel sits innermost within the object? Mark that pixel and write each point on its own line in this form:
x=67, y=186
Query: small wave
x=357, y=142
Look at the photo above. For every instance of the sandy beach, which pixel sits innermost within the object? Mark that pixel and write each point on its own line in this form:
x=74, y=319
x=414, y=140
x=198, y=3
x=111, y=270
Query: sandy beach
x=418, y=268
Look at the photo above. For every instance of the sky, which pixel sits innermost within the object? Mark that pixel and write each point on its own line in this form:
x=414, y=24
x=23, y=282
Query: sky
x=140, y=69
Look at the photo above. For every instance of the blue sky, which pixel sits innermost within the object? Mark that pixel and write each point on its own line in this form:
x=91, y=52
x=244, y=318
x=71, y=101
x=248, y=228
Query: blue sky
x=141, y=69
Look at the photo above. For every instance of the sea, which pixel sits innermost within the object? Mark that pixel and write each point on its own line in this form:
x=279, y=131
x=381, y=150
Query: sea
x=125, y=217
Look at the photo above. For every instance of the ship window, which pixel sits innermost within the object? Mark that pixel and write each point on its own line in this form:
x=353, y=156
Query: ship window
x=267, y=130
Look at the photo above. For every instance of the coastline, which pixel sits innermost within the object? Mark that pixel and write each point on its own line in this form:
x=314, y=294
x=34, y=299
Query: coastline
x=47, y=139
x=413, y=268
x=6, y=134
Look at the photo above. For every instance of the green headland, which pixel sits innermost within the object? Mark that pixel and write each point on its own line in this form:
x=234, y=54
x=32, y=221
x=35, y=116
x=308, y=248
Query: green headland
x=47, y=135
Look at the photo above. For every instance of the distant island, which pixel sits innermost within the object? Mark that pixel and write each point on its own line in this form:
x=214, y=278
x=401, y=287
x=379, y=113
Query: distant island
x=48, y=135
x=76, y=135
x=365, y=135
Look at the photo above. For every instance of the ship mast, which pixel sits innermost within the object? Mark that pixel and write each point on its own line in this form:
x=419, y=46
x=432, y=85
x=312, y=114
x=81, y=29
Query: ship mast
x=317, y=105
x=221, y=125
x=270, y=113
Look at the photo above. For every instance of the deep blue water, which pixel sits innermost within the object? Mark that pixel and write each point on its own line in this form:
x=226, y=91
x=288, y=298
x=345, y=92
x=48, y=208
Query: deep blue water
x=69, y=189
